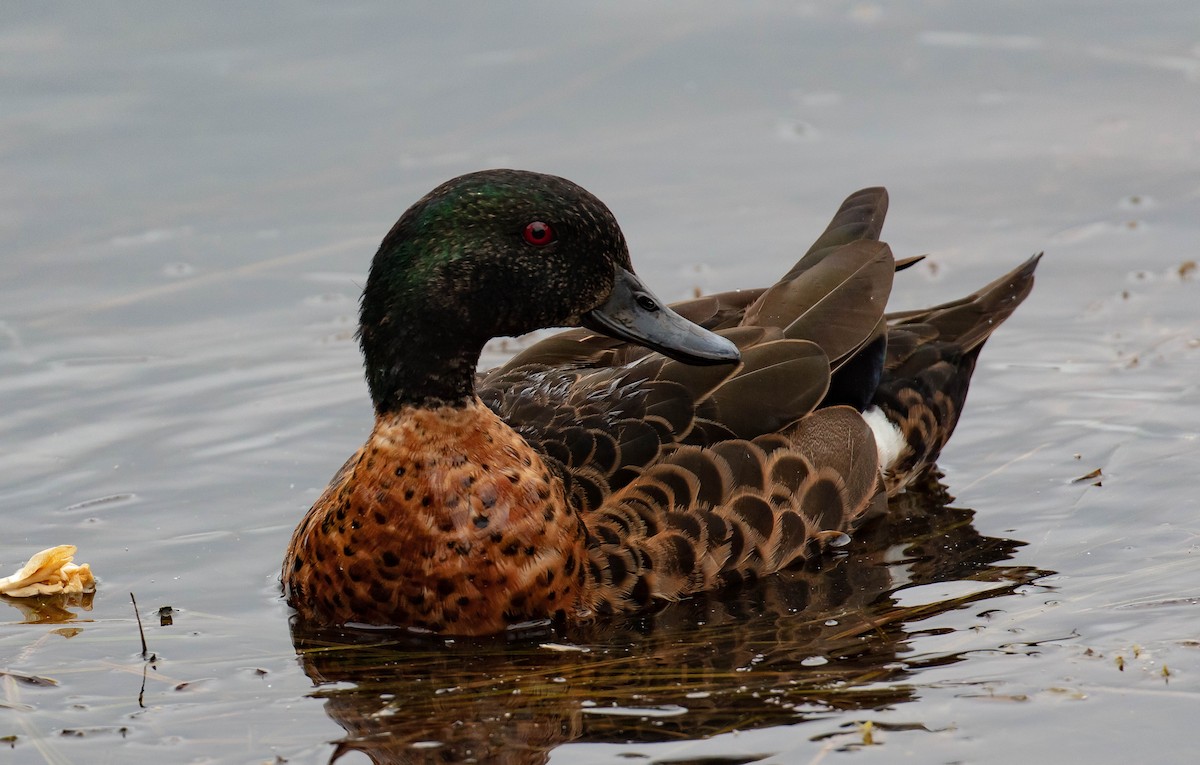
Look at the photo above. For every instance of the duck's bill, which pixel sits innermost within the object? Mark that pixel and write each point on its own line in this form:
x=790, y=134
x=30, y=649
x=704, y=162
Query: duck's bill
x=635, y=314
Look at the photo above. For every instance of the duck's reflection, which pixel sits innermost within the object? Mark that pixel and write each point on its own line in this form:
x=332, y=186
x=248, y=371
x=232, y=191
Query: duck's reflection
x=797, y=644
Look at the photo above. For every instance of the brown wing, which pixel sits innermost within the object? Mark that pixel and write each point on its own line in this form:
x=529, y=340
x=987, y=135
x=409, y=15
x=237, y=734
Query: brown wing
x=603, y=426
x=860, y=218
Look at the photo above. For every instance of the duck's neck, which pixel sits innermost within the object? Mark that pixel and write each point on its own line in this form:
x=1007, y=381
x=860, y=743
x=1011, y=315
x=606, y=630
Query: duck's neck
x=423, y=366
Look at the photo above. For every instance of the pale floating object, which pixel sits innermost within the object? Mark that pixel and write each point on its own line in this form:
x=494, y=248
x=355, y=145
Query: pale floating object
x=50, y=572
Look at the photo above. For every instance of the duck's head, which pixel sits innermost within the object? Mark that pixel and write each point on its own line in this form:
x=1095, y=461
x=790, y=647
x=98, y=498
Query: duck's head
x=504, y=252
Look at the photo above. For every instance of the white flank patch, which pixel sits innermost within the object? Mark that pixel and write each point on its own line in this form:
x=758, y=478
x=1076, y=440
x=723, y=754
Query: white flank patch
x=888, y=438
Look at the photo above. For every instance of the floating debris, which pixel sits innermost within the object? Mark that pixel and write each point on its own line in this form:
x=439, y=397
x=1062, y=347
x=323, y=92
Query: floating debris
x=867, y=729
x=50, y=572
x=563, y=648
x=35, y=680
x=1092, y=477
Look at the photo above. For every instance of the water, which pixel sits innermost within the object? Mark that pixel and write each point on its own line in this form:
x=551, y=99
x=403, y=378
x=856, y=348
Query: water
x=193, y=196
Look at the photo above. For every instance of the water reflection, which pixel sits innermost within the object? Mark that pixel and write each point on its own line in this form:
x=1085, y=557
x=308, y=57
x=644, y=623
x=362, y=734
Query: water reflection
x=793, y=646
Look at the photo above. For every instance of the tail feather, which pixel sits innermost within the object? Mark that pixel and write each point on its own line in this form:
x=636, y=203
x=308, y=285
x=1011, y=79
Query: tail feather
x=930, y=358
x=969, y=321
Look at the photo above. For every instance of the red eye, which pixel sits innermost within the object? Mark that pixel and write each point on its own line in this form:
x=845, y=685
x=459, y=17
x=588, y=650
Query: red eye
x=538, y=234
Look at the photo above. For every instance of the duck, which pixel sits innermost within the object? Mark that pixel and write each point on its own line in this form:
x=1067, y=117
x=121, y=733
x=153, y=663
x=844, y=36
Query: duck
x=647, y=453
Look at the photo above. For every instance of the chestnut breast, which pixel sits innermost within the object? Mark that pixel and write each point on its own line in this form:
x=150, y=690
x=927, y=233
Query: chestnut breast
x=445, y=520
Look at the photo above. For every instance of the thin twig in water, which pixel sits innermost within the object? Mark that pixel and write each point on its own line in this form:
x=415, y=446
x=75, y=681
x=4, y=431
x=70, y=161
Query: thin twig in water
x=141, y=632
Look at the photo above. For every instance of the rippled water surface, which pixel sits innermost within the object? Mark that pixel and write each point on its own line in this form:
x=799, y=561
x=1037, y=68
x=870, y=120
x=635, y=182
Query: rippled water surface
x=192, y=198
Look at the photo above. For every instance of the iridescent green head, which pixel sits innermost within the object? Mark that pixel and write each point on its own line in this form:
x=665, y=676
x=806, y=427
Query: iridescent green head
x=492, y=253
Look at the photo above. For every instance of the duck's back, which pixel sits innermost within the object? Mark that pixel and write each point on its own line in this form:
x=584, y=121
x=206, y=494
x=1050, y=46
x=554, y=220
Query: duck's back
x=690, y=478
